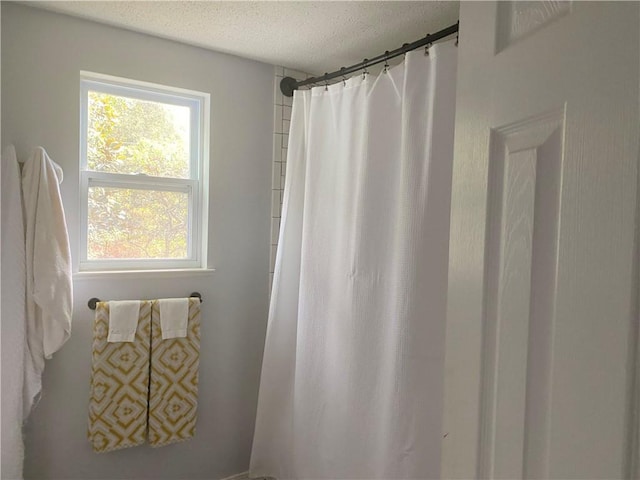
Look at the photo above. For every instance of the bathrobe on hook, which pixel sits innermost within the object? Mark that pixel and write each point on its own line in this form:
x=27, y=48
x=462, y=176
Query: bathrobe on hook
x=49, y=290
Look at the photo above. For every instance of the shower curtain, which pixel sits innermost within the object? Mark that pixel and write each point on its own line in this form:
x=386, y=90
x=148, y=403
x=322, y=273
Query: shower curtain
x=352, y=374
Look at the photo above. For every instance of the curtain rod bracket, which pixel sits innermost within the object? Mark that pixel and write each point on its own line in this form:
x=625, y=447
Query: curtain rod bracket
x=288, y=85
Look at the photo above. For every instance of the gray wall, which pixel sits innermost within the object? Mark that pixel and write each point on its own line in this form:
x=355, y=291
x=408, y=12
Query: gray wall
x=42, y=55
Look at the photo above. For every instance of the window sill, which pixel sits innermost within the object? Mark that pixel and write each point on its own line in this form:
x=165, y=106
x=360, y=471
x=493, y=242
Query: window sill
x=135, y=274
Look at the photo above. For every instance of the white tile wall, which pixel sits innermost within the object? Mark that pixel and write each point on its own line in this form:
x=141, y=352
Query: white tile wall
x=281, y=123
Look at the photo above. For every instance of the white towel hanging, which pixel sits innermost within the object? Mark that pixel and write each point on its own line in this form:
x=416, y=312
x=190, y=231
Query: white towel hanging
x=174, y=316
x=123, y=320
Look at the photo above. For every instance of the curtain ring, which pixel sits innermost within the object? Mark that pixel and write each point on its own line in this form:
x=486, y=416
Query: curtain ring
x=386, y=61
x=344, y=79
x=326, y=82
x=364, y=68
x=427, y=46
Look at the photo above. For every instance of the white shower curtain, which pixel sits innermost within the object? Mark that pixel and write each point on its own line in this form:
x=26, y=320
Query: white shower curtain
x=352, y=374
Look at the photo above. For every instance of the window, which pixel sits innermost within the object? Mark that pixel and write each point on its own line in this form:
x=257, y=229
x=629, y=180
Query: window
x=143, y=175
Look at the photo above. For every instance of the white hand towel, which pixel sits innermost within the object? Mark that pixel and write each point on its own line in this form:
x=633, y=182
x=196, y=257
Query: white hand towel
x=174, y=316
x=123, y=320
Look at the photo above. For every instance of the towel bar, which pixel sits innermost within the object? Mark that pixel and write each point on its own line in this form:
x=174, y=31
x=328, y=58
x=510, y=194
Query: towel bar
x=93, y=301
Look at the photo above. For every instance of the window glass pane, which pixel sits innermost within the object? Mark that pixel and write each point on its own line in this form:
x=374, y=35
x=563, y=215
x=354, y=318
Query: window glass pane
x=129, y=223
x=132, y=136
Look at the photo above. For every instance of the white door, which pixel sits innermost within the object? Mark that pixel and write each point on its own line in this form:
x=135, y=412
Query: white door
x=541, y=322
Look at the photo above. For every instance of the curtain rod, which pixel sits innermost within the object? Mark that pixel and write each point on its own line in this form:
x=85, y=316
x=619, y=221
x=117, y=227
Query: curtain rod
x=289, y=84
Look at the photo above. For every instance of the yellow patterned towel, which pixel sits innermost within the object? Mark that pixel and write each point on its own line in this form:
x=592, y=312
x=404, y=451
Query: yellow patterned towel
x=173, y=395
x=119, y=384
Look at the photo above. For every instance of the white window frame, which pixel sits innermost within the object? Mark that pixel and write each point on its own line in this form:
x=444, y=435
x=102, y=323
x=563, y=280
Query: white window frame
x=196, y=186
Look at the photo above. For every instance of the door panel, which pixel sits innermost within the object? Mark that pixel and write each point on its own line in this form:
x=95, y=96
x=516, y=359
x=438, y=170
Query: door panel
x=524, y=177
x=542, y=241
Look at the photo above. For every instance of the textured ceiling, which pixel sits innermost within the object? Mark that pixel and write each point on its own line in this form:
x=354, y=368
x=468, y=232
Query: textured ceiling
x=312, y=36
